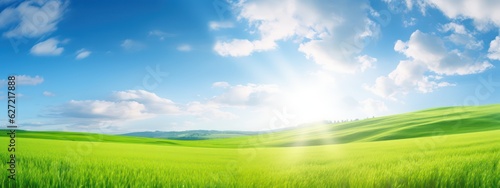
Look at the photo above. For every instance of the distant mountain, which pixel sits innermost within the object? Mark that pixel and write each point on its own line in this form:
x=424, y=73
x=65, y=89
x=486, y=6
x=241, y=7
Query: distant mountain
x=192, y=134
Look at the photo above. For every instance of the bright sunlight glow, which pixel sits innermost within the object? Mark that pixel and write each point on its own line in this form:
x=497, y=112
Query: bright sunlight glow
x=309, y=103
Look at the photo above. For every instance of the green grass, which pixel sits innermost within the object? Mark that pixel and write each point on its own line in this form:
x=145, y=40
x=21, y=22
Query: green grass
x=446, y=147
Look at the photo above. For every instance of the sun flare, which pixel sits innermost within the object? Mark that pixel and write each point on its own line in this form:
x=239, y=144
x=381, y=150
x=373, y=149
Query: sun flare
x=310, y=103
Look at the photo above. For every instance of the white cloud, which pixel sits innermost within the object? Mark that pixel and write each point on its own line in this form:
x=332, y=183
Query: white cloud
x=32, y=18
x=160, y=34
x=24, y=80
x=332, y=35
x=424, y=47
x=400, y=46
x=398, y=6
x=460, y=36
x=214, y=25
x=366, y=62
x=494, y=50
x=483, y=12
x=458, y=28
x=152, y=102
x=184, y=48
x=430, y=51
x=373, y=107
x=235, y=48
x=385, y=87
x=246, y=95
x=28, y=80
x=208, y=110
x=408, y=76
x=221, y=84
x=132, y=105
x=123, y=106
x=467, y=40
x=428, y=60
x=101, y=110
x=409, y=22
x=82, y=54
x=234, y=96
x=48, y=47
x=48, y=94
x=132, y=45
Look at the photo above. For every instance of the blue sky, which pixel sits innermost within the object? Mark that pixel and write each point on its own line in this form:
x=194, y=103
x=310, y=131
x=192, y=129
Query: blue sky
x=123, y=66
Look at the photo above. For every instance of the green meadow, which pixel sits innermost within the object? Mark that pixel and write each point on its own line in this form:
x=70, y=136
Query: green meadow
x=444, y=147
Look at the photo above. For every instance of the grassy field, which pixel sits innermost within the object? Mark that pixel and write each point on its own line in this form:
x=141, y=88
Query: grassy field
x=446, y=147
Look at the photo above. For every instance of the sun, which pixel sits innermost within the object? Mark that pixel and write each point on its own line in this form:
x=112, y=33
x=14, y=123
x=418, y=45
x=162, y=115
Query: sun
x=310, y=103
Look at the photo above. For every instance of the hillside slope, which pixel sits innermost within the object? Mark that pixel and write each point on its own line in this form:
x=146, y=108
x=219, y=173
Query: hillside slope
x=432, y=122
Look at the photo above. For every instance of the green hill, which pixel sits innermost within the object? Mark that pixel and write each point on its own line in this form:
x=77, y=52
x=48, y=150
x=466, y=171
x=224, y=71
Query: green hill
x=432, y=122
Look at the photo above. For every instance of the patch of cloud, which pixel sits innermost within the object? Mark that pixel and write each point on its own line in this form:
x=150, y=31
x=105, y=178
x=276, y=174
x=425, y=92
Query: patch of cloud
x=124, y=106
x=32, y=18
x=408, y=76
x=132, y=105
x=208, y=110
x=82, y=54
x=494, y=50
x=373, y=107
x=457, y=28
x=48, y=94
x=482, y=12
x=28, y=80
x=152, y=102
x=332, y=34
x=428, y=61
x=366, y=62
x=159, y=34
x=215, y=25
x=101, y=110
x=241, y=47
x=184, y=48
x=410, y=22
x=24, y=80
x=247, y=95
x=460, y=36
x=430, y=51
x=221, y=84
x=132, y=45
x=399, y=6
x=48, y=47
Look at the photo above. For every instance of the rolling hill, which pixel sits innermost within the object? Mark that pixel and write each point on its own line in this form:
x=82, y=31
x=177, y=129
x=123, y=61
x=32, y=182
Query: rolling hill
x=431, y=122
